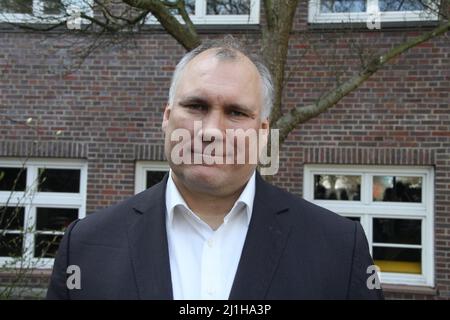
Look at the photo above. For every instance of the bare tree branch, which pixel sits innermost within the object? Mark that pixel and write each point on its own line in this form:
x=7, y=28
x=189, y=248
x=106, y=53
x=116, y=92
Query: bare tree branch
x=181, y=7
x=302, y=114
x=186, y=36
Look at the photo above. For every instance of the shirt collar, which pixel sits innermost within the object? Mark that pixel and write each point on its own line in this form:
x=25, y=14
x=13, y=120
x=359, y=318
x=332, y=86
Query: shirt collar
x=174, y=199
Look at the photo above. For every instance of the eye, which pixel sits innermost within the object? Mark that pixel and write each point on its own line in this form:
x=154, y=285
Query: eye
x=235, y=113
x=196, y=107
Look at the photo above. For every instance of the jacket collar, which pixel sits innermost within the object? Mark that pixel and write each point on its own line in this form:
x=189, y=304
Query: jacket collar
x=148, y=244
x=173, y=199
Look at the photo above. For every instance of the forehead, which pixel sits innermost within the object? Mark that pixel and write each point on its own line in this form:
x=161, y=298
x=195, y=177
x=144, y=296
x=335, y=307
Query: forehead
x=217, y=56
x=234, y=77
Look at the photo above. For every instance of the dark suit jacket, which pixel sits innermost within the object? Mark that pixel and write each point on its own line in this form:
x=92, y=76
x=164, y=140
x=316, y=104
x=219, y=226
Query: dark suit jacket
x=293, y=250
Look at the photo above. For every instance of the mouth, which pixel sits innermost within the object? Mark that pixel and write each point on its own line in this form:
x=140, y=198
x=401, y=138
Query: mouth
x=209, y=159
x=212, y=154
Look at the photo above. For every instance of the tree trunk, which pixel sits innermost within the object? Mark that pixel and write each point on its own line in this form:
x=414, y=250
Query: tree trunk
x=275, y=42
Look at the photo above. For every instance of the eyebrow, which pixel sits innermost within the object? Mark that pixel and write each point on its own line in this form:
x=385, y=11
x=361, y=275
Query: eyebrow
x=203, y=101
x=193, y=100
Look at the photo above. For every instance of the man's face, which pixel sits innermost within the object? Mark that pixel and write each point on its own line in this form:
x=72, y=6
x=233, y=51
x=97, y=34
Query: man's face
x=220, y=94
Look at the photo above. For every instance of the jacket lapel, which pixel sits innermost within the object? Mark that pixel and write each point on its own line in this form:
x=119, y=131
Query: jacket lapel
x=266, y=238
x=148, y=244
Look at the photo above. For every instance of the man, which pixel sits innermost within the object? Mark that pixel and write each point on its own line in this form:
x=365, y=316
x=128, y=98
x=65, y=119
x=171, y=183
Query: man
x=214, y=229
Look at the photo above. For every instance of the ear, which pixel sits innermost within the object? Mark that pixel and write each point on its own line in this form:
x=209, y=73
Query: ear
x=264, y=131
x=166, y=117
x=265, y=124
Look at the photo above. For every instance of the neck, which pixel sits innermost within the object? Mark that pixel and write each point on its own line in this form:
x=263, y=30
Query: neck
x=210, y=208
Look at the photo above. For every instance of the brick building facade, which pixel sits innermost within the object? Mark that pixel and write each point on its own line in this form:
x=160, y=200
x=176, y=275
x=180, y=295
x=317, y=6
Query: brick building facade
x=102, y=121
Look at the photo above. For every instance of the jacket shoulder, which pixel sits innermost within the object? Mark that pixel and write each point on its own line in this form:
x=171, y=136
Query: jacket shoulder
x=108, y=226
x=305, y=212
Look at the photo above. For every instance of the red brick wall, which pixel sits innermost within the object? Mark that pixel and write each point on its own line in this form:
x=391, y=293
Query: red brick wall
x=110, y=108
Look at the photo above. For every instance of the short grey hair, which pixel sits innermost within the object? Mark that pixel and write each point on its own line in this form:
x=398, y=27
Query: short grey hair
x=226, y=50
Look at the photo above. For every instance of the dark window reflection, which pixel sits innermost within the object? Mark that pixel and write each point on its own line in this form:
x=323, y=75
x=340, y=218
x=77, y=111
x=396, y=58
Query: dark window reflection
x=10, y=244
x=54, y=7
x=12, y=218
x=46, y=245
x=54, y=219
x=401, y=5
x=401, y=231
x=153, y=177
x=357, y=219
x=397, y=254
x=401, y=260
x=335, y=6
x=59, y=180
x=337, y=187
x=397, y=189
x=13, y=179
x=219, y=7
x=16, y=6
x=188, y=4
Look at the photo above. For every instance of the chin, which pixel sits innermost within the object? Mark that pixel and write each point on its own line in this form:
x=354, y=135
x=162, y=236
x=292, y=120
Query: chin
x=204, y=176
x=207, y=172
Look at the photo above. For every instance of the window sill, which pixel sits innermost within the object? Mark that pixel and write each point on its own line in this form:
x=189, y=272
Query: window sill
x=384, y=26
x=391, y=288
x=210, y=28
x=26, y=272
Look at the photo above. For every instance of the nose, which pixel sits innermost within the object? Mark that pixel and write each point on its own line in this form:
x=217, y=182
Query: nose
x=212, y=128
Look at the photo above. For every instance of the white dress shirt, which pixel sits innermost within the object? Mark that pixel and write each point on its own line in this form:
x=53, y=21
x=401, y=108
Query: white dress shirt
x=203, y=261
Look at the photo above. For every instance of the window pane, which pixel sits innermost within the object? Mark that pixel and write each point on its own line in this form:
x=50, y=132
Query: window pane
x=53, y=7
x=189, y=5
x=13, y=179
x=401, y=5
x=397, y=189
x=401, y=231
x=400, y=260
x=335, y=6
x=10, y=244
x=11, y=218
x=16, y=6
x=357, y=219
x=59, y=180
x=219, y=7
x=46, y=245
x=337, y=187
x=153, y=177
x=51, y=219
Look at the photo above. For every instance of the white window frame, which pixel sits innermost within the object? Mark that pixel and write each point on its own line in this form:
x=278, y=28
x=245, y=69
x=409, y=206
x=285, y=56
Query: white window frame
x=367, y=209
x=372, y=9
x=142, y=167
x=201, y=17
x=38, y=16
x=30, y=199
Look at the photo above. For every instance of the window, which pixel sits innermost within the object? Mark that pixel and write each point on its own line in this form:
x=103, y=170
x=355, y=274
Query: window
x=41, y=11
x=220, y=12
x=395, y=209
x=149, y=173
x=38, y=200
x=337, y=11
